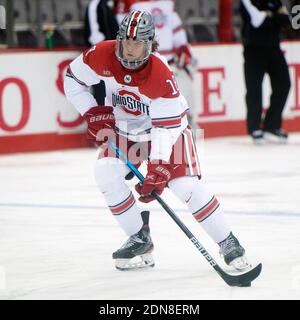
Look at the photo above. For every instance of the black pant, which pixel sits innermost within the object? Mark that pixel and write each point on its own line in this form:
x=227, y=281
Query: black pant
x=258, y=62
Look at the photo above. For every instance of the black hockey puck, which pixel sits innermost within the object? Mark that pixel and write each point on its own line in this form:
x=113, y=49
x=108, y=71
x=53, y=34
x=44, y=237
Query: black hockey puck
x=248, y=284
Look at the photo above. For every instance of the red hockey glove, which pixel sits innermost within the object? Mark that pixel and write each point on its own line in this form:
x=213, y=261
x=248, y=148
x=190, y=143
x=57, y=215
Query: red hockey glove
x=101, y=124
x=156, y=179
x=184, y=57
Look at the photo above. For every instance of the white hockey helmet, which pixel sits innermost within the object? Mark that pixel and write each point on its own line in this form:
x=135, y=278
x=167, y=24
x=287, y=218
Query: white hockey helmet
x=138, y=26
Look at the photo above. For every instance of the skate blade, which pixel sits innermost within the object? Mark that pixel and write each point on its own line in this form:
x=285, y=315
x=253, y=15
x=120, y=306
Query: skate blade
x=139, y=262
x=241, y=264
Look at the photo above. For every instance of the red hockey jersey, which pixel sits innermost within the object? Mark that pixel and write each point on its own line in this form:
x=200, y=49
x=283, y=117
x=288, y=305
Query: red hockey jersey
x=147, y=103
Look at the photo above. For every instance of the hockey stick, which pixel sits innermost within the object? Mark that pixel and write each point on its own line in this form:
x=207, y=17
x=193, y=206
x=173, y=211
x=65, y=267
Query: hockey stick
x=240, y=280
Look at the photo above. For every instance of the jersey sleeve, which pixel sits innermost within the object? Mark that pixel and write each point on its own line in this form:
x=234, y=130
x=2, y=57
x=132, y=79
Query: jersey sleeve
x=166, y=112
x=84, y=68
x=79, y=77
x=168, y=115
x=168, y=121
x=162, y=83
x=85, y=71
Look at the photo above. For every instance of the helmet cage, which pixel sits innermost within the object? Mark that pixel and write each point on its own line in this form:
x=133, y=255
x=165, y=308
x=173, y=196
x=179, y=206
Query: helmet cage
x=138, y=26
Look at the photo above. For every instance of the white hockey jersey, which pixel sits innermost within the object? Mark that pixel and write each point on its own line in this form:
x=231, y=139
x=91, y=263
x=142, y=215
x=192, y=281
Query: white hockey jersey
x=147, y=103
x=169, y=30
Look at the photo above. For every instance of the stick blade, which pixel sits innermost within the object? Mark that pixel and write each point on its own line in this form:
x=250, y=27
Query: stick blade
x=241, y=280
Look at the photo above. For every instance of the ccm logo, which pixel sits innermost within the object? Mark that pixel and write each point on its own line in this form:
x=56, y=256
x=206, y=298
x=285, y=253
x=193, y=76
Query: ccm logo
x=102, y=117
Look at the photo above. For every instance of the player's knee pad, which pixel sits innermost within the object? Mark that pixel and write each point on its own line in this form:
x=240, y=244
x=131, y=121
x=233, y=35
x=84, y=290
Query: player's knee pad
x=109, y=174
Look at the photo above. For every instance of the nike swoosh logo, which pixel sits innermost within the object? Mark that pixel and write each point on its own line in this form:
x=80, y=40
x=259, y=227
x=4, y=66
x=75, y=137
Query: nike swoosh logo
x=186, y=201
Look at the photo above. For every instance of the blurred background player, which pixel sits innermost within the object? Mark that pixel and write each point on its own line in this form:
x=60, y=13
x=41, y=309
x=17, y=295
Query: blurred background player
x=263, y=21
x=147, y=116
x=100, y=24
x=172, y=38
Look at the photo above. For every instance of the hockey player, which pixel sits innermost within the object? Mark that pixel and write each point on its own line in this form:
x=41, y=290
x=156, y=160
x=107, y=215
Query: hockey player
x=145, y=114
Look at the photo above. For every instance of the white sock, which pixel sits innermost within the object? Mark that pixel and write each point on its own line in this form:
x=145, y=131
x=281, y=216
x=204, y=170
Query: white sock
x=203, y=205
x=109, y=175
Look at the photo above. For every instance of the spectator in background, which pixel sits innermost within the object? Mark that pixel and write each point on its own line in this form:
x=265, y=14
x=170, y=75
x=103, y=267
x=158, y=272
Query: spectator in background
x=172, y=37
x=100, y=24
x=262, y=24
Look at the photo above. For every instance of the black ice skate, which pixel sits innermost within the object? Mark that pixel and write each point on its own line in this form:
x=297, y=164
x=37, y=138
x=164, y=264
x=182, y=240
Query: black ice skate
x=276, y=136
x=136, y=251
x=233, y=253
x=257, y=137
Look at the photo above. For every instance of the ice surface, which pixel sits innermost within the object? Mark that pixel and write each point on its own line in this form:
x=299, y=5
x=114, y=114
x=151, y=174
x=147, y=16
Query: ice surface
x=57, y=237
